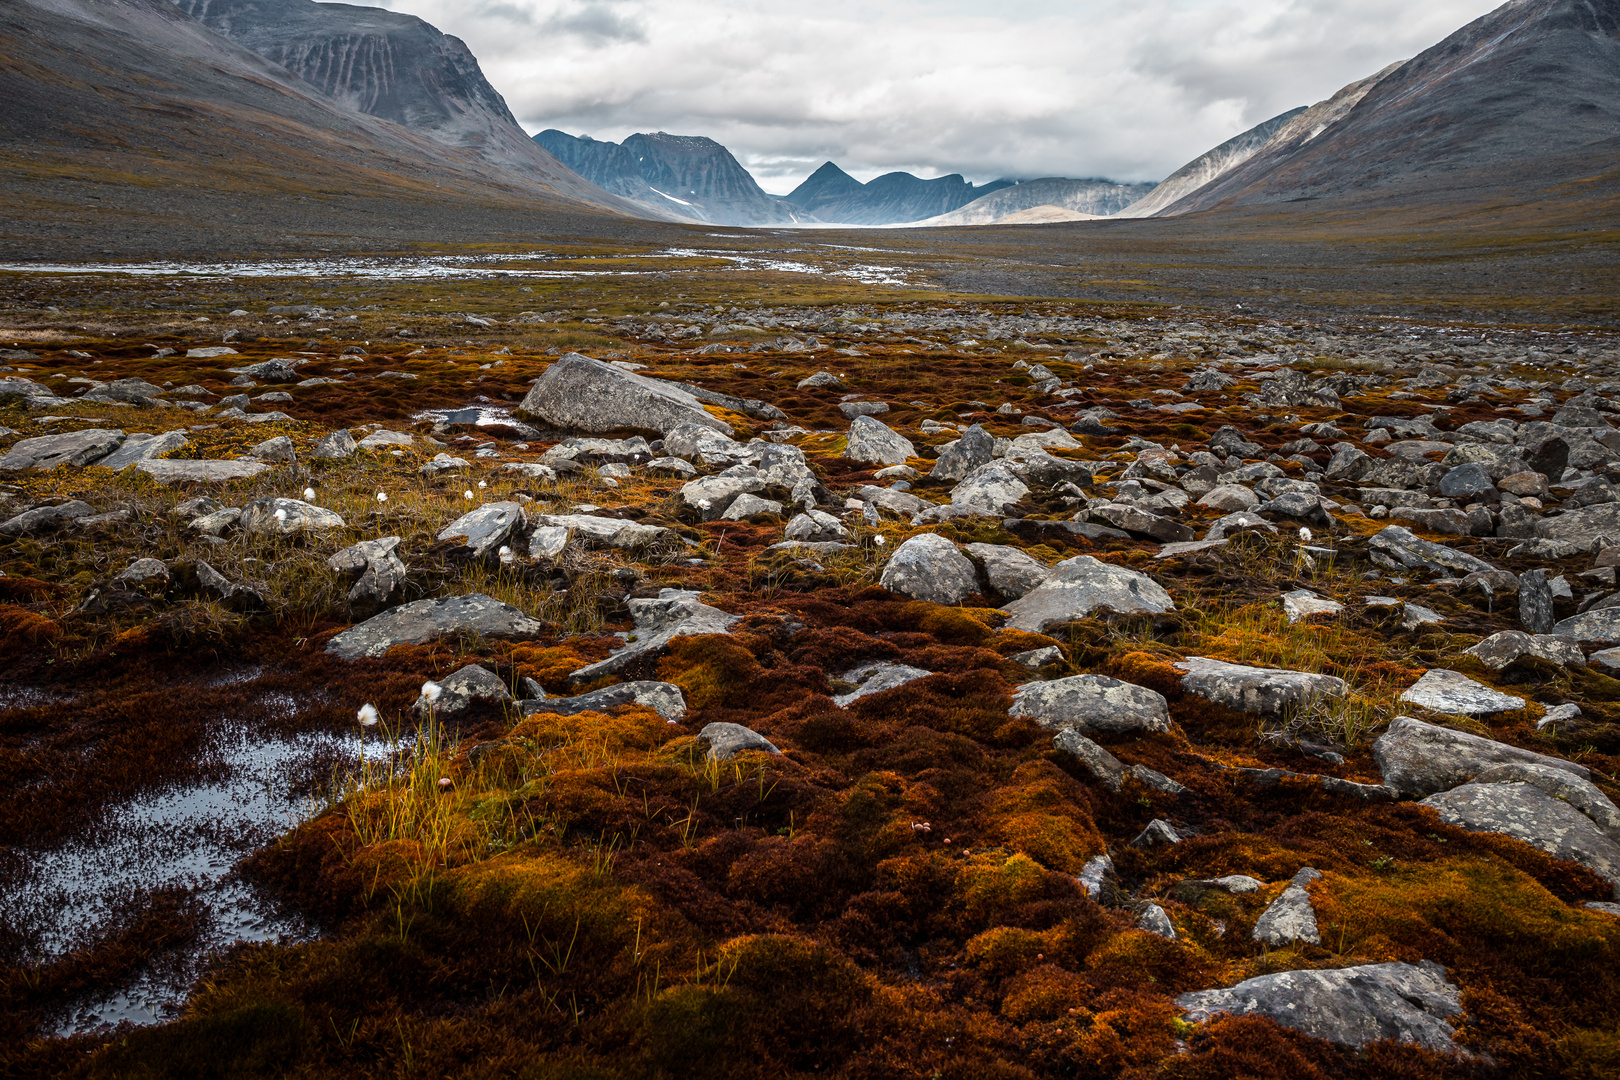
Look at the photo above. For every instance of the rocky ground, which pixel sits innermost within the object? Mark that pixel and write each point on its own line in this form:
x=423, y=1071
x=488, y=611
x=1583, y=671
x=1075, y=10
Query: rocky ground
x=849, y=684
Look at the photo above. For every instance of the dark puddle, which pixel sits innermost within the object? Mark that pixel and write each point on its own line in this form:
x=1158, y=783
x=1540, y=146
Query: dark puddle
x=172, y=849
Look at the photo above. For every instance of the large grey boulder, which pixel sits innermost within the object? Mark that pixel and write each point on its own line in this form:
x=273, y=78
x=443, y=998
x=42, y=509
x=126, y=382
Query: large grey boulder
x=712, y=496
x=873, y=441
x=1455, y=694
x=171, y=471
x=1230, y=499
x=1526, y=812
x=1267, y=691
x=45, y=519
x=1418, y=759
x=874, y=679
x=1290, y=917
x=1141, y=523
x=1583, y=795
x=76, y=449
x=675, y=613
x=602, y=532
x=1500, y=650
x=128, y=391
x=278, y=449
x=956, y=460
x=929, y=567
x=726, y=741
x=1092, y=703
x=1582, y=527
x=287, y=517
x=703, y=444
x=1397, y=548
x=1599, y=626
x=460, y=689
x=335, y=447
x=423, y=620
x=485, y=529
x=577, y=393
x=1408, y=1003
x=992, y=489
x=143, y=448
x=1011, y=572
x=1081, y=585
x=279, y=369
x=815, y=527
x=663, y=698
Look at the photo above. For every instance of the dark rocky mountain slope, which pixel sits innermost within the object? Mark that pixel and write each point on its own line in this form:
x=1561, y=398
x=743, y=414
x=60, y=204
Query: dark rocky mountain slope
x=1093, y=198
x=1506, y=112
x=686, y=176
x=389, y=65
x=132, y=126
x=891, y=199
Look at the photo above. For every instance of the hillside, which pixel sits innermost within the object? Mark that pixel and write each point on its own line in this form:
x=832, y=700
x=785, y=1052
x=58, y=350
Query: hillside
x=1058, y=198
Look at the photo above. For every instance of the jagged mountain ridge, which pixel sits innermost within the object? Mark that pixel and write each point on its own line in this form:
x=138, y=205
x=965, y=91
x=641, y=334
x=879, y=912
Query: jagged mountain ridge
x=1208, y=167
x=892, y=199
x=1079, y=198
x=685, y=176
x=392, y=66
x=1511, y=107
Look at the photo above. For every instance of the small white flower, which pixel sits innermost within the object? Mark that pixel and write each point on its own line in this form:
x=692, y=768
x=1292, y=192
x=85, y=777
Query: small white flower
x=468, y=494
x=382, y=497
x=309, y=494
x=505, y=552
x=281, y=516
x=368, y=716
x=431, y=690
x=1305, y=534
x=880, y=541
x=482, y=484
x=705, y=504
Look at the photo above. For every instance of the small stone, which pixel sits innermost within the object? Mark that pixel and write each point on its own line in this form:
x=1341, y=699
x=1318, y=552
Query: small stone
x=1290, y=917
x=336, y=446
x=1158, y=833
x=1092, y=703
x=1535, y=601
x=459, y=690
x=1104, y=767
x=872, y=441
x=726, y=741
x=1154, y=920
x=424, y=620
x=279, y=448
x=1501, y=650
x=1011, y=572
x=876, y=678
x=1302, y=604
x=1082, y=585
x=745, y=506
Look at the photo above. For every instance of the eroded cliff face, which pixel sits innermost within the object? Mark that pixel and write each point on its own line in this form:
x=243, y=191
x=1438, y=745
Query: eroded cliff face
x=1091, y=198
x=395, y=67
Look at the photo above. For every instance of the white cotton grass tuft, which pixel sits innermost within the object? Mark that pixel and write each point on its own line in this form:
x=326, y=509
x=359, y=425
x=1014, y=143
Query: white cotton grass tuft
x=482, y=484
x=368, y=716
x=281, y=516
x=382, y=496
x=468, y=493
x=309, y=494
x=432, y=691
x=1305, y=534
x=879, y=541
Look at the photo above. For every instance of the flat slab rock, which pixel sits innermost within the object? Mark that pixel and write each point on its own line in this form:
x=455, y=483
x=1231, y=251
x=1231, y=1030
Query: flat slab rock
x=1267, y=691
x=170, y=471
x=876, y=678
x=577, y=393
x=663, y=698
x=1290, y=917
x=1418, y=759
x=1409, y=1003
x=1303, y=604
x=1527, y=813
x=423, y=620
x=75, y=449
x=1081, y=585
x=1397, y=548
x=1500, y=650
x=1455, y=694
x=1092, y=703
x=675, y=613
x=1600, y=626
x=726, y=741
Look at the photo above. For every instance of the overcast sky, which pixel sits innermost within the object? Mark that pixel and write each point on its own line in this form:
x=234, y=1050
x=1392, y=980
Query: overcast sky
x=1020, y=88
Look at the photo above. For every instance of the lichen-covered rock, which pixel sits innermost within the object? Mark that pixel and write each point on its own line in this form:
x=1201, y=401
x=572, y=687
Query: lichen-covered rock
x=375, y=568
x=665, y=699
x=460, y=689
x=577, y=393
x=1418, y=759
x=1396, y=548
x=171, y=471
x=991, y=489
x=930, y=567
x=1407, y=1003
x=593, y=531
x=1092, y=703
x=485, y=529
x=1455, y=694
x=1500, y=650
x=1583, y=795
x=144, y=448
x=287, y=517
x=876, y=678
x=1267, y=691
x=726, y=741
x=1104, y=767
x=746, y=506
x=1011, y=572
x=873, y=441
x=956, y=460
x=423, y=620
x=1140, y=522
x=75, y=449
x=675, y=613
x=1526, y=812
x=1302, y=604
x=1082, y=585
x=1290, y=917
x=1599, y=626
x=335, y=447
x=45, y=519
x=815, y=527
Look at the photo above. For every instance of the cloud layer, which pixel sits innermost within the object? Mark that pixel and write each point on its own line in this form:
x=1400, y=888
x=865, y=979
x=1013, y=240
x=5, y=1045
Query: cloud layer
x=1024, y=88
